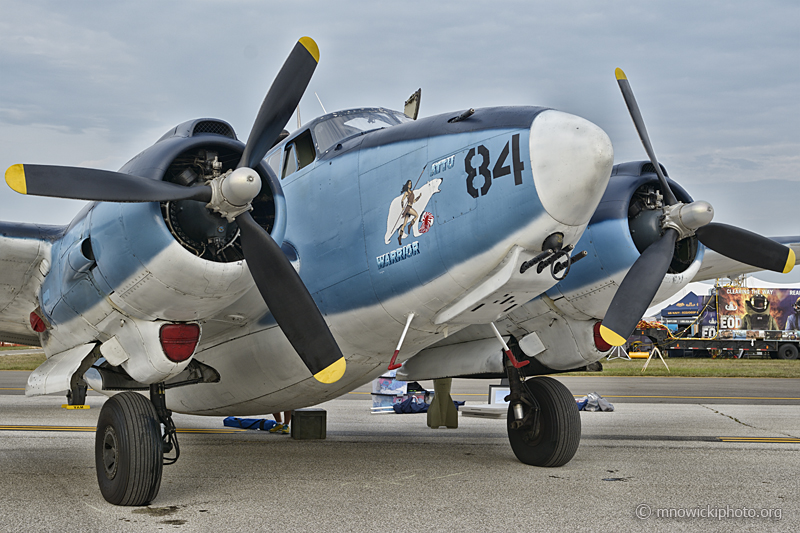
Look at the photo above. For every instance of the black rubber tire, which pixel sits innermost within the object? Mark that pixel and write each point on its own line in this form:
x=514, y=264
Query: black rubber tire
x=558, y=433
x=788, y=351
x=128, y=453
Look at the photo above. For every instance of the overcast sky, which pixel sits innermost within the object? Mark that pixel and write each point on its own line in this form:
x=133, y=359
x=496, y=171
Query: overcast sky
x=94, y=83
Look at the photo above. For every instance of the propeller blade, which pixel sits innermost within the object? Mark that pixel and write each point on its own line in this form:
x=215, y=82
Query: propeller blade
x=638, y=289
x=283, y=291
x=290, y=302
x=638, y=121
x=747, y=247
x=281, y=101
x=97, y=185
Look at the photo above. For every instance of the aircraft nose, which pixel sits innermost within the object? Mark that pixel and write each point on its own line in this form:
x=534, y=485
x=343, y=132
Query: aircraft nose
x=571, y=160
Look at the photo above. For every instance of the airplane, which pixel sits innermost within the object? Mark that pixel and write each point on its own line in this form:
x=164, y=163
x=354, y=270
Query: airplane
x=214, y=277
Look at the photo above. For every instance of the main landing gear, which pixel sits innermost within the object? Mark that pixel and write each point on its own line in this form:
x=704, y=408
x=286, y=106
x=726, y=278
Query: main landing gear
x=544, y=426
x=130, y=447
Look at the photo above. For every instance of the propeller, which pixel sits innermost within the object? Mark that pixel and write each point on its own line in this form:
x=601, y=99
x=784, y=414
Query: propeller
x=97, y=185
x=278, y=282
x=680, y=220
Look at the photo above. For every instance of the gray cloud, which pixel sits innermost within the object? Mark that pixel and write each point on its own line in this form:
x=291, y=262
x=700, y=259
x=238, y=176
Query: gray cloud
x=94, y=83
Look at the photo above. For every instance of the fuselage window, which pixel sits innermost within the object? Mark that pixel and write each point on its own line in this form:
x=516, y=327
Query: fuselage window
x=289, y=160
x=298, y=153
x=274, y=162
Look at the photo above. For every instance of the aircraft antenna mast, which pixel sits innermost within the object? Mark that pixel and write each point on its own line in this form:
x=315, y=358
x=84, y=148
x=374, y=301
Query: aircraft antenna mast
x=320, y=103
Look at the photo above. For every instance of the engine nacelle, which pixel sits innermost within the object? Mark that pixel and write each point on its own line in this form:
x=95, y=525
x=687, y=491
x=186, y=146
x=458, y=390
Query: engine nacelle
x=626, y=222
x=121, y=271
x=149, y=275
x=179, y=261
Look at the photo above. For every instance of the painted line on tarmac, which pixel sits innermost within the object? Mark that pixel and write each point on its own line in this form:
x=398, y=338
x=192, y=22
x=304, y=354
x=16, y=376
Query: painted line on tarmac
x=700, y=397
x=760, y=439
x=623, y=396
x=451, y=394
x=93, y=429
x=688, y=438
x=695, y=438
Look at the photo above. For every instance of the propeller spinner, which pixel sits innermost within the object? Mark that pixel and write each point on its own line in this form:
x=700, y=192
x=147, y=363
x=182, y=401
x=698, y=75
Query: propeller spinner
x=680, y=220
x=231, y=195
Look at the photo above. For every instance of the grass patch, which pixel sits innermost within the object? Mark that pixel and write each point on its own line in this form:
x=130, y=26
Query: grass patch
x=679, y=366
x=699, y=368
x=14, y=361
x=8, y=348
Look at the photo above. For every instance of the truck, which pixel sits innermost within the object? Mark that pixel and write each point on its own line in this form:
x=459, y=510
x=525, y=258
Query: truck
x=731, y=321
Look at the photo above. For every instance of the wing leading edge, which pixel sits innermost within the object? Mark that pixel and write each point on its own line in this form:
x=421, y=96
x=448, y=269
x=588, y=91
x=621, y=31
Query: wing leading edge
x=24, y=249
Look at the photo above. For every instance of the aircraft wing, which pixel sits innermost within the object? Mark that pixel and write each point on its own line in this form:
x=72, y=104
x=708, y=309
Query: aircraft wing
x=718, y=266
x=22, y=249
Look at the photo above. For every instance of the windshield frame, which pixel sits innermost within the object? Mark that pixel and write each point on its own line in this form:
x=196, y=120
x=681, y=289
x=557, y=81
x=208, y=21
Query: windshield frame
x=336, y=122
x=310, y=126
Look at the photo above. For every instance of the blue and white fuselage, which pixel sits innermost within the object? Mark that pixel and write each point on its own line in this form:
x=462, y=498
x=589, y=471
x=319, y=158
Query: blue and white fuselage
x=366, y=287
x=432, y=217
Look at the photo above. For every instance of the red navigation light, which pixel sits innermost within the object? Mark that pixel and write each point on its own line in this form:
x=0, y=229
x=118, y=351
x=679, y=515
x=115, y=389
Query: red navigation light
x=601, y=344
x=179, y=340
x=37, y=323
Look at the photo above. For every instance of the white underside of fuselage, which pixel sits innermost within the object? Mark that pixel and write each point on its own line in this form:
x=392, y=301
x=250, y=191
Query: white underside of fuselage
x=261, y=373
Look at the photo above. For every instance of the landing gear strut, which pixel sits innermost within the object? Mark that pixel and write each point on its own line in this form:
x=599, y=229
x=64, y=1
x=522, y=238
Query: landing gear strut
x=169, y=441
x=544, y=426
x=130, y=448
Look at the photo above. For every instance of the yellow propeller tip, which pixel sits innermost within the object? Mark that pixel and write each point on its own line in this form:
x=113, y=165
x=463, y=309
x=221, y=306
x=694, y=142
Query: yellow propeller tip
x=620, y=75
x=15, y=177
x=790, y=262
x=332, y=373
x=610, y=337
x=311, y=46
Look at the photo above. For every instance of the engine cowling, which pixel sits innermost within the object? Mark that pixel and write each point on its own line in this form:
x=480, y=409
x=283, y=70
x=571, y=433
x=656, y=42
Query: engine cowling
x=179, y=261
x=120, y=272
x=625, y=223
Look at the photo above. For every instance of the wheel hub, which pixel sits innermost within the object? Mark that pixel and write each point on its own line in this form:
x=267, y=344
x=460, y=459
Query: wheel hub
x=110, y=452
x=532, y=427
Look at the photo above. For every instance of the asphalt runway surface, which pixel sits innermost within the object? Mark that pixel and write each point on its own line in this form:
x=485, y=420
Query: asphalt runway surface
x=759, y=391
x=653, y=464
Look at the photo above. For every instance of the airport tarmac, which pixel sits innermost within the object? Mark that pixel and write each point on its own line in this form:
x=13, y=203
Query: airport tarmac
x=675, y=464
x=645, y=389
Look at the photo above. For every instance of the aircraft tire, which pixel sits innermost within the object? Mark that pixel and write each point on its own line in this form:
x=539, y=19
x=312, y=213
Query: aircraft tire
x=554, y=440
x=128, y=452
x=788, y=351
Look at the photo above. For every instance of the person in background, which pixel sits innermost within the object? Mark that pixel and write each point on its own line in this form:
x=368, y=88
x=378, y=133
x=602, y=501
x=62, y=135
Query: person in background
x=758, y=315
x=281, y=427
x=793, y=322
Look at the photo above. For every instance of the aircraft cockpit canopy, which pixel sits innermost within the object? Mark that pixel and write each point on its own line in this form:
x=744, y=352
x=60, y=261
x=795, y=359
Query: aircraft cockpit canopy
x=322, y=134
x=335, y=127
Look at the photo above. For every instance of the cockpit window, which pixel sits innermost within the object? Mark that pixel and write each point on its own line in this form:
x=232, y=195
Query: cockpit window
x=298, y=153
x=274, y=162
x=289, y=160
x=346, y=124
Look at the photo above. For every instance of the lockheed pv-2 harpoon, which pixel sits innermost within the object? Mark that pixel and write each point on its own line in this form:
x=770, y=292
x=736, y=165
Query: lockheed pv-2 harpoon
x=230, y=278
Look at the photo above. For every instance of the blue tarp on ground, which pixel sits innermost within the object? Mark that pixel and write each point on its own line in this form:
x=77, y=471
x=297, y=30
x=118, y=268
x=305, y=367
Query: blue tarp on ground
x=416, y=405
x=263, y=424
